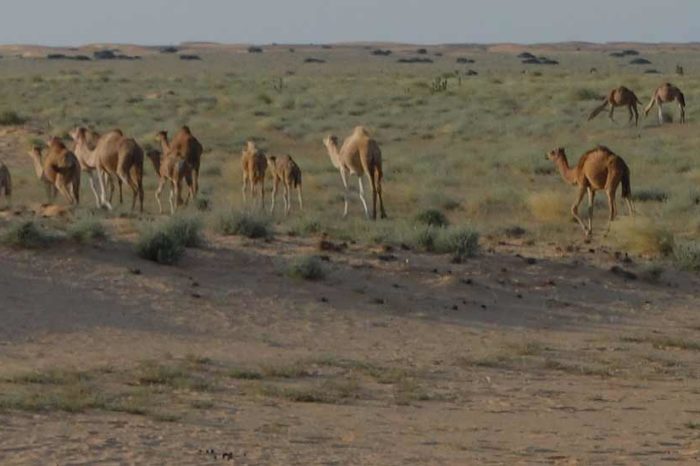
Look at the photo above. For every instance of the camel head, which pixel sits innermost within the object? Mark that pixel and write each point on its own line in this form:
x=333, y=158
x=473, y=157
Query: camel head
x=79, y=134
x=186, y=129
x=331, y=142
x=55, y=143
x=35, y=151
x=555, y=154
x=271, y=160
x=161, y=136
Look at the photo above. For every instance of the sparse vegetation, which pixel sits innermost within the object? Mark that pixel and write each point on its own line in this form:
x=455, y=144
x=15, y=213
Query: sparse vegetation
x=307, y=268
x=11, y=118
x=158, y=246
x=26, y=235
x=87, y=230
x=432, y=217
x=246, y=224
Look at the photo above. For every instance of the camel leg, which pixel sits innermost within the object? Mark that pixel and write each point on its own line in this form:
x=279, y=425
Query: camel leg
x=574, y=208
x=161, y=183
x=119, y=184
x=661, y=113
x=373, y=184
x=123, y=177
x=612, y=113
x=301, y=199
x=195, y=182
x=636, y=115
x=287, y=204
x=682, y=107
x=591, y=199
x=378, y=186
x=612, y=208
x=275, y=185
x=245, y=185
x=362, y=196
x=93, y=186
x=631, y=114
x=103, y=194
x=343, y=177
x=174, y=196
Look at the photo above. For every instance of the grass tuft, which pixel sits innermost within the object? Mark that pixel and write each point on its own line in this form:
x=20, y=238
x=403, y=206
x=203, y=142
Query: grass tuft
x=26, y=235
x=243, y=224
x=433, y=218
x=87, y=230
x=306, y=268
x=159, y=246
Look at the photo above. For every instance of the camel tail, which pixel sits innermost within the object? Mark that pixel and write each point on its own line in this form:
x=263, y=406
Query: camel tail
x=598, y=109
x=648, y=108
x=626, y=185
x=681, y=98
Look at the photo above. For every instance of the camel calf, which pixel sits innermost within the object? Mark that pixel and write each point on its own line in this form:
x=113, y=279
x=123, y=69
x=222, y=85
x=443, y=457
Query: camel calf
x=254, y=166
x=285, y=170
x=60, y=170
x=173, y=170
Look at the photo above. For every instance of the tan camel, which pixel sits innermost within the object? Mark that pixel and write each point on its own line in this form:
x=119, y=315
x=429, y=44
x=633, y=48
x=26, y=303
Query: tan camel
x=359, y=155
x=285, y=170
x=113, y=155
x=620, y=97
x=59, y=170
x=173, y=170
x=253, y=165
x=666, y=93
x=186, y=146
x=598, y=169
x=6, y=183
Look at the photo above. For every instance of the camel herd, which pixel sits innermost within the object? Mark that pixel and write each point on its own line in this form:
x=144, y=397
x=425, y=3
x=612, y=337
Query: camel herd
x=623, y=97
x=113, y=157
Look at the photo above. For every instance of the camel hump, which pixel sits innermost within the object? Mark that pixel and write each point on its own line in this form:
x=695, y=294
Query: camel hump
x=186, y=129
x=361, y=131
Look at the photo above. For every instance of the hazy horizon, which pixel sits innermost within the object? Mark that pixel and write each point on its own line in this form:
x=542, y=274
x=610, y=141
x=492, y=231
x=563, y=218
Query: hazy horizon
x=161, y=22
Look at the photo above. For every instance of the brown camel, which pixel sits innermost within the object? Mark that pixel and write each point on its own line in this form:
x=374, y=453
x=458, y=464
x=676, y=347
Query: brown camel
x=598, y=169
x=186, y=146
x=253, y=165
x=620, y=97
x=285, y=170
x=359, y=155
x=666, y=93
x=171, y=169
x=5, y=183
x=59, y=170
x=113, y=155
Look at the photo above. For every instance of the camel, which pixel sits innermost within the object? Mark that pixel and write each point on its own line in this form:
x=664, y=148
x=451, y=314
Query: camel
x=186, y=146
x=113, y=155
x=666, y=93
x=174, y=170
x=619, y=97
x=359, y=155
x=59, y=170
x=5, y=183
x=598, y=169
x=285, y=170
x=253, y=165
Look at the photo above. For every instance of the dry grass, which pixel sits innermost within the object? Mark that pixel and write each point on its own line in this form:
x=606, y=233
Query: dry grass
x=642, y=235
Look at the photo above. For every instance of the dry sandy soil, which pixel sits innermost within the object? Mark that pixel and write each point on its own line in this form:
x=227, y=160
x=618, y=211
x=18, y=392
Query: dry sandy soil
x=502, y=360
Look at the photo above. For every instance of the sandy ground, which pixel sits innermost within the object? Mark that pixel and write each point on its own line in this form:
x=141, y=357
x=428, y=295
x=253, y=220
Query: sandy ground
x=549, y=361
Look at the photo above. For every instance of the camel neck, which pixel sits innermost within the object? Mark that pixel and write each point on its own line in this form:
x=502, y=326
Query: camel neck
x=38, y=168
x=569, y=174
x=334, y=154
x=85, y=155
x=165, y=146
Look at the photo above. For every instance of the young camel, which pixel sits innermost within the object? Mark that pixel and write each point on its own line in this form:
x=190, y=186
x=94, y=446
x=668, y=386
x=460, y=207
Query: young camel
x=666, y=93
x=186, y=146
x=620, y=97
x=113, y=155
x=253, y=165
x=59, y=170
x=285, y=170
x=359, y=155
x=598, y=169
x=171, y=169
x=6, y=183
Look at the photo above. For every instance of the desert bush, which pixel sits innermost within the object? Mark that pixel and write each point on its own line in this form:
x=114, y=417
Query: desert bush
x=650, y=195
x=432, y=217
x=307, y=268
x=11, y=118
x=425, y=239
x=158, y=245
x=186, y=230
x=87, y=230
x=462, y=243
x=26, y=235
x=243, y=224
x=643, y=236
x=687, y=255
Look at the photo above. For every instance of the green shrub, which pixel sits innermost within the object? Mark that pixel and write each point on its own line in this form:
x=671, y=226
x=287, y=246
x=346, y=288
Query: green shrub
x=26, y=235
x=11, y=118
x=158, y=246
x=425, y=239
x=307, y=268
x=243, y=224
x=687, y=255
x=203, y=204
x=186, y=230
x=433, y=218
x=87, y=230
x=461, y=243
x=650, y=195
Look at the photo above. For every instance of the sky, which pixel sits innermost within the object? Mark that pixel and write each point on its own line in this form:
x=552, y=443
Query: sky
x=159, y=22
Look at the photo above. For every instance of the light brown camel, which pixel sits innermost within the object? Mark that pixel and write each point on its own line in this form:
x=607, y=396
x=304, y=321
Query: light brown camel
x=598, y=169
x=359, y=155
x=59, y=170
x=173, y=170
x=253, y=165
x=620, y=97
x=186, y=146
x=113, y=155
x=666, y=93
x=6, y=183
x=285, y=170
